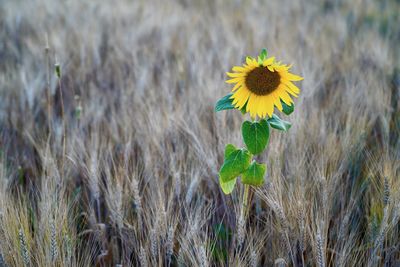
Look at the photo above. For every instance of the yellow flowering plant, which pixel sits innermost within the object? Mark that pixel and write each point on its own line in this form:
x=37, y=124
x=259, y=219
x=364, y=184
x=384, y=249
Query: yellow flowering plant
x=260, y=85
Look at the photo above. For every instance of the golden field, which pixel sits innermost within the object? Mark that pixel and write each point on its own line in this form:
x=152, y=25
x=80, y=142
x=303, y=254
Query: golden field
x=115, y=161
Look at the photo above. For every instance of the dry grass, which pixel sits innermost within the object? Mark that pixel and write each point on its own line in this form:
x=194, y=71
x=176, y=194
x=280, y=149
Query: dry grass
x=137, y=184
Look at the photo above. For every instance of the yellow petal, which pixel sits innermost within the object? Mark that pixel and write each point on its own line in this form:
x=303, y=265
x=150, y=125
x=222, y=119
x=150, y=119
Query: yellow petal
x=252, y=66
x=283, y=68
x=270, y=108
x=285, y=97
x=245, y=98
x=292, y=77
x=268, y=61
x=253, y=108
x=266, y=105
x=235, y=80
x=291, y=86
x=235, y=75
x=291, y=92
x=249, y=60
x=280, y=68
x=236, y=87
x=240, y=97
x=250, y=105
x=254, y=63
x=257, y=105
x=271, y=69
x=236, y=96
x=239, y=69
x=277, y=101
x=260, y=108
x=249, y=101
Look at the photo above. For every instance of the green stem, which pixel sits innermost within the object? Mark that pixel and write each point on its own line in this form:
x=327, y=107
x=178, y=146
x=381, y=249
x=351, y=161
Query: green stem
x=245, y=201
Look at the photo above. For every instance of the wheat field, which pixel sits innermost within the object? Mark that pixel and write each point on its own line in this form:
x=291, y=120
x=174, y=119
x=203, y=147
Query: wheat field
x=110, y=146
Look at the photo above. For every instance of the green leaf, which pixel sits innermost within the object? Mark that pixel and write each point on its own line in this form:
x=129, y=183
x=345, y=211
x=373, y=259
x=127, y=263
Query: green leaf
x=229, y=148
x=278, y=123
x=236, y=163
x=287, y=109
x=262, y=56
x=227, y=187
x=255, y=135
x=224, y=103
x=254, y=175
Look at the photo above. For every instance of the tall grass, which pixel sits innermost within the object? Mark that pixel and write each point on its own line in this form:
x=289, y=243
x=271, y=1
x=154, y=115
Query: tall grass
x=136, y=184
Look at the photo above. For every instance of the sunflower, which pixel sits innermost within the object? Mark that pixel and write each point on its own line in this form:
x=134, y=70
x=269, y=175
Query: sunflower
x=262, y=84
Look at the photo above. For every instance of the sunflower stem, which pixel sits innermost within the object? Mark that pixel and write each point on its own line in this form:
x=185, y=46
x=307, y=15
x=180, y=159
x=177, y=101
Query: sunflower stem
x=245, y=199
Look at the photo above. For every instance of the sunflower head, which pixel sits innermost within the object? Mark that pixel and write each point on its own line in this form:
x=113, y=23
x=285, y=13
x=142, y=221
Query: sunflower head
x=261, y=84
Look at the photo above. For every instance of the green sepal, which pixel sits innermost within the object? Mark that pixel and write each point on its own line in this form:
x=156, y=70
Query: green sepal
x=279, y=124
x=236, y=163
x=227, y=187
x=254, y=175
x=229, y=148
x=287, y=109
x=262, y=56
x=224, y=103
x=255, y=135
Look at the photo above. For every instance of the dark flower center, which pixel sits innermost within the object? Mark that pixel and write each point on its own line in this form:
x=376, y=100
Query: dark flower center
x=262, y=81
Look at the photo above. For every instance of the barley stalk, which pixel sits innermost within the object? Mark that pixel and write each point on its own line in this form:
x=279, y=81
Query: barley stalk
x=253, y=259
x=170, y=244
x=241, y=229
x=24, y=248
x=137, y=201
x=153, y=243
x=382, y=231
x=203, y=257
x=53, y=242
x=143, y=257
x=320, y=246
x=386, y=191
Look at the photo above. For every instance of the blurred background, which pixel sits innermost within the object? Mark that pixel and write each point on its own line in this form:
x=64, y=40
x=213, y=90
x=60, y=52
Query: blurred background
x=110, y=146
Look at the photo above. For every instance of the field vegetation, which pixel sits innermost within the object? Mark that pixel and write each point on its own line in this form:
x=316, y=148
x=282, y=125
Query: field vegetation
x=110, y=147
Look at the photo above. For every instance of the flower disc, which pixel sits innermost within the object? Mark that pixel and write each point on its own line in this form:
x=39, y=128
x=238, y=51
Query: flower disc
x=262, y=81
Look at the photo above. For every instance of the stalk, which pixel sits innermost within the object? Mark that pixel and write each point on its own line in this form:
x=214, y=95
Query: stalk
x=64, y=137
x=245, y=201
x=48, y=93
x=243, y=213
